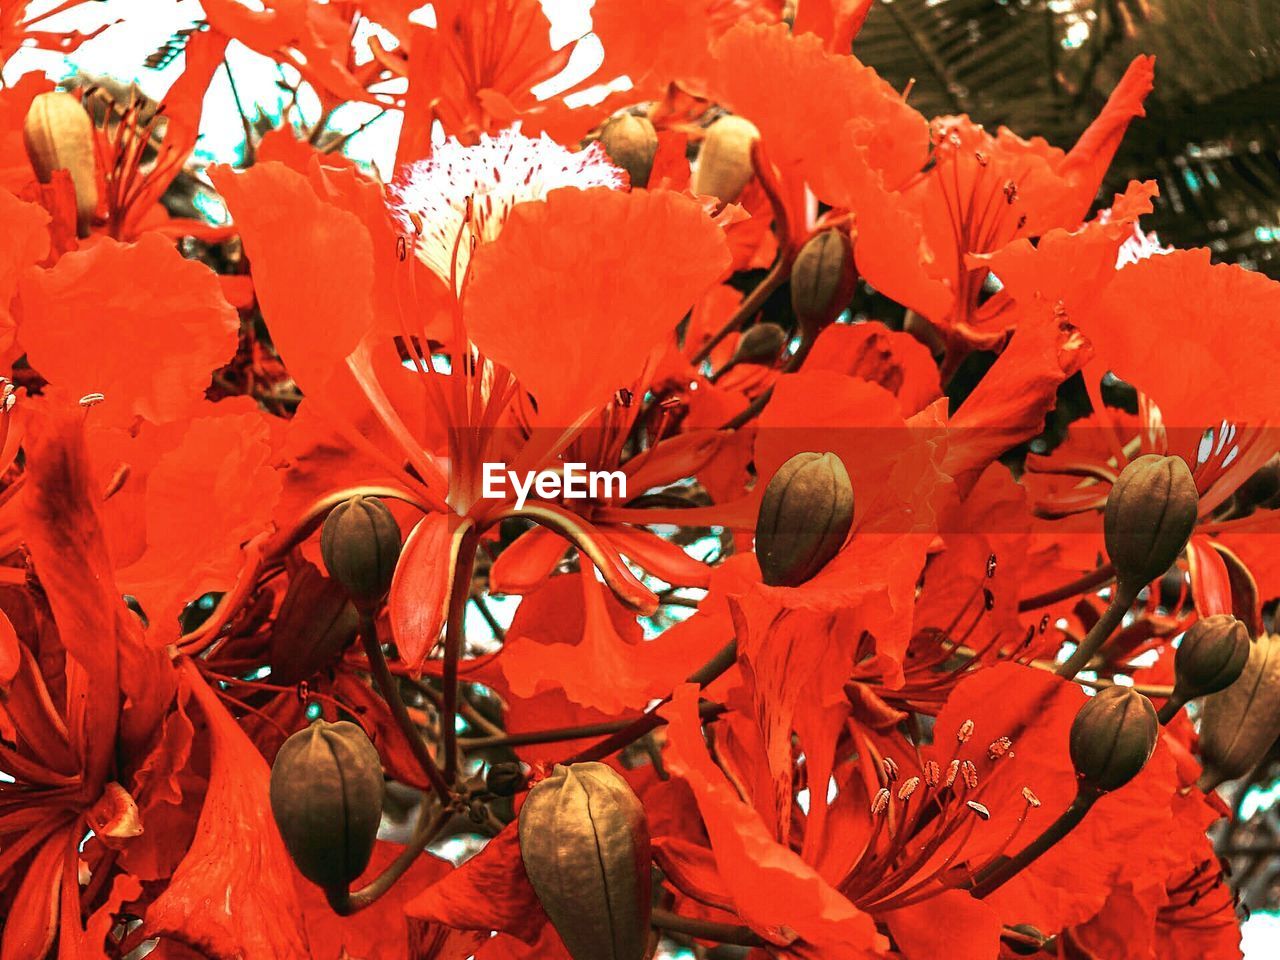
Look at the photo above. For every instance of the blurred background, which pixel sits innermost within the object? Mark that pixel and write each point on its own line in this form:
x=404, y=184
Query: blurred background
x=1042, y=67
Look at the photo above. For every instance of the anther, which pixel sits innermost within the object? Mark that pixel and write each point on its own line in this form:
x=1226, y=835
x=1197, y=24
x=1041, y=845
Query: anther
x=908, y=788
x=991, y=565
x=970, y=774
x=932, y=773
x=92, y=399
x=999, y=748
x=979, y=809
x=1010, y=192
x=880, y=801
x=890, y=769
x=1031, y=798
x=965, y=731
x=953, y=768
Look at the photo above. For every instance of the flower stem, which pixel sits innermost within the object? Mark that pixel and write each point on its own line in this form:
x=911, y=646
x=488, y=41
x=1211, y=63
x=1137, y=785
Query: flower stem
x=995, y=875
x=454, y=638
x=1089, y=582
x=730, y=933
x=1121, y=600
x=390, y=691
x=345, y=903
x=648, y=721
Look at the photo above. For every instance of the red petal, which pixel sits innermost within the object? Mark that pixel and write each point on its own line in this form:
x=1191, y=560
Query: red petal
x=579, y=288
x=951, y=925
x=312, y=267
x=137, y=323
x=773, y=890
x=232, y=896
x=419, y=598
x=489, y=892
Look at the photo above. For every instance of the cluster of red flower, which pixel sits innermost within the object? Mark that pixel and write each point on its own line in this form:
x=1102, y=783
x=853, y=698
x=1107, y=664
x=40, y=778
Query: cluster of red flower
x=841, y=670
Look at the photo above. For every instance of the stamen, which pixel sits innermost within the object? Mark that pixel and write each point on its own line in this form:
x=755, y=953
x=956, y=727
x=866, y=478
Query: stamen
x=932, y=773
x=979, y=809
x=880, y=801
x=999, y=747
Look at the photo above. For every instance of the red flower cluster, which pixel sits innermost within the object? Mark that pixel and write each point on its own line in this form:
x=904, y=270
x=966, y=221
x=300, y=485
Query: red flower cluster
x=831, y=667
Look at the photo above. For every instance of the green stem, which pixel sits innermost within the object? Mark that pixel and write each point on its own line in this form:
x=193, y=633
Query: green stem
x=1121, y=600
x=1003, y=870
x=390, y=691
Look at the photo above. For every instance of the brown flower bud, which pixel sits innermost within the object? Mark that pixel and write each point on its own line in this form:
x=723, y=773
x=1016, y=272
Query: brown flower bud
x=59, y=136
x=761, y=343
x=1113, y=737
x=360, y=544
x=1238, y=725
x=631, y=143
x=822, y=279
x=1210, y=657
x=585, y=847
x=724, y=163
x=326, y=797
x=1150, y=513
x=316, y=623
x=805, y=516
x=1024, y=940
x=505, y=779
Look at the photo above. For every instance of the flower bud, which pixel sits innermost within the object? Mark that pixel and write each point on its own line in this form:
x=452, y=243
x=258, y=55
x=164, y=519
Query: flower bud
x=805, y=516
x=761, y=343
x=316, y=623
x=1150, y=513
x=59, y=136
x=505, y=779
x=1113, y=737
x=724, y=163
x=1210, y=657
x=822, y=279
x=360, y=544
x=1238, y=725
x=326, y=797
x=631, y=143
x=585, y=847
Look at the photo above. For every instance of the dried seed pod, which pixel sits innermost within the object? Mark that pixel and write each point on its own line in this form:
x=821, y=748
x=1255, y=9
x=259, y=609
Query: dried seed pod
x=316, y=623
x=59, y=136
x=1210, y=657
x=585, y=847
x=761, y=343
x=822, y=280
x=326, y=797
x=1150, y=513
x=1113, y=737
x=631, y=143
x=724, y=164
x=805, y=515
x=1238, y=725
x=360, y=544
